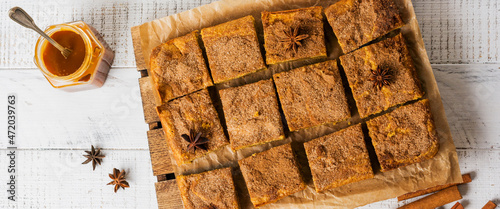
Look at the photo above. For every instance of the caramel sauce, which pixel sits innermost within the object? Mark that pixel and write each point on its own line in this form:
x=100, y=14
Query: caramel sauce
x=55, y=62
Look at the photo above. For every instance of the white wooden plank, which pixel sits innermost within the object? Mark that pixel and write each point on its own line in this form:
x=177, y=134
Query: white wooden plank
x=110, y=116
x=55, y=179
x=460, y=31
x=454, y=31
x=471, y=99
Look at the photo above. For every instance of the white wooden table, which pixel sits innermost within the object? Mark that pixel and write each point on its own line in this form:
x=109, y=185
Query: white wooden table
x=54, y=127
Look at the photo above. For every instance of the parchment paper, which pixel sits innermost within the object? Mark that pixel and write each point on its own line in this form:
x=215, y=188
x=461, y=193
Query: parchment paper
x=441, y=169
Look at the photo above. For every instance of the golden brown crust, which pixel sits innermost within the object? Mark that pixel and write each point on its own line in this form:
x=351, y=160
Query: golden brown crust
x=191, y=112
x=211, y=189
x=389, y=54
x=312, y=95
x=271, y=175
x=310, y=22
x=178, y=67
x=252, y=114
x=405, y=136
x=357, y=22
x=339, y=158
x=232, y=49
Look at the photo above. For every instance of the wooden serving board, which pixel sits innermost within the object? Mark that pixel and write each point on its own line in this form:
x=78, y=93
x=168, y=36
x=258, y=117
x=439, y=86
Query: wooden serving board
x=167, y=192
x=162, y=165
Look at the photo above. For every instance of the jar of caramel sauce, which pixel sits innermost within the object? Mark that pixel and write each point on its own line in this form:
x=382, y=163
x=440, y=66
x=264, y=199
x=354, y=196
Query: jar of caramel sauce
x=85, y=68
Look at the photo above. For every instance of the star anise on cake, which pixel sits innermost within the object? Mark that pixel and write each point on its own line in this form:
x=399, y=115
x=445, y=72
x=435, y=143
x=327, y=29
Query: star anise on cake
x=118, y=179
x=381, y=77
x=94, y=156
x=195, y=141
x=292, y=39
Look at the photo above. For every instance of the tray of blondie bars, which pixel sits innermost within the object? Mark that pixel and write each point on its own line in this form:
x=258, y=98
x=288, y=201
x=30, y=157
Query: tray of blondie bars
x=291, y=104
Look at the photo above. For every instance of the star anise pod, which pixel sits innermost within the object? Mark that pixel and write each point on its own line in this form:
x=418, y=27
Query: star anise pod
x=292, y=39
x=381, y=77
x=94, y=156
x=195, y=141
x=118, y=179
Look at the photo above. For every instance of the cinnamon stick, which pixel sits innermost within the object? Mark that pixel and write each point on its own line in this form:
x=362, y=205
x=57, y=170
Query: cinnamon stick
x=489, y=205
x=465, y=179
x=438, y=199
x=457, y=206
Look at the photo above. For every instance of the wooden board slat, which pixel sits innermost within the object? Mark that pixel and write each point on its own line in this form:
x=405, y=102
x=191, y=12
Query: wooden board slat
x=168, y=195
x=148, y=100
x=136, y=42
x=154, y=125
x=161, y=178
x=160, y=153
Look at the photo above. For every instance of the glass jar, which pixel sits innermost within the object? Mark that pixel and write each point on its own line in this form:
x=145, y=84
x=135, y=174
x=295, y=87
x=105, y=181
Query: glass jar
x=97, y=57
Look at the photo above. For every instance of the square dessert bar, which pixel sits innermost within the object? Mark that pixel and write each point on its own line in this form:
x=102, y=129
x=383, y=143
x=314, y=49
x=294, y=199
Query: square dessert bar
x=381, y=76
x=210, y=189
x=293, y=35
x=339, y=158
x=312, y=95
x=184, y=118
x=177, y=68
x=406, y=135
x=357, y=22
x=232, y=49
x=271, y=175
x=252, y=114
